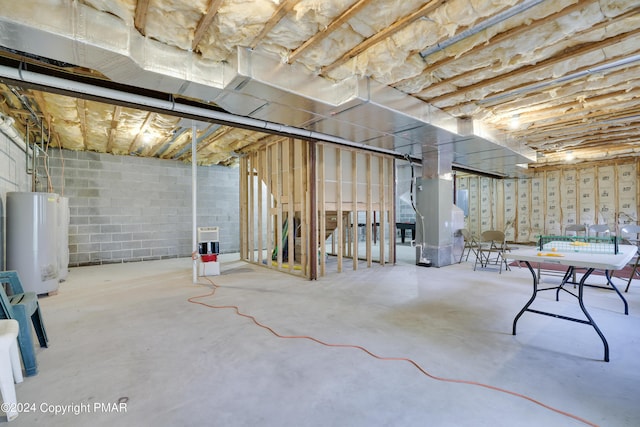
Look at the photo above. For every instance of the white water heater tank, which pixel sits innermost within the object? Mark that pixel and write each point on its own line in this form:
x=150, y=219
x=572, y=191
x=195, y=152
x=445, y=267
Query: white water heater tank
x=63, y=238
x=32, y=244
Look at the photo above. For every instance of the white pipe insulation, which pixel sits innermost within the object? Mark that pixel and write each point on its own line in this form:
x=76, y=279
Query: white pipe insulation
x=6, y=127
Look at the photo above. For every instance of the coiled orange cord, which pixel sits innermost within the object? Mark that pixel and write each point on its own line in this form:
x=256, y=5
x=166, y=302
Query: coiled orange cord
x=400, y=359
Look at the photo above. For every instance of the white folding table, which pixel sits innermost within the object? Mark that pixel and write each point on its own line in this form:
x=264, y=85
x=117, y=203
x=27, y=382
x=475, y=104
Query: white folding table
x=578, y=258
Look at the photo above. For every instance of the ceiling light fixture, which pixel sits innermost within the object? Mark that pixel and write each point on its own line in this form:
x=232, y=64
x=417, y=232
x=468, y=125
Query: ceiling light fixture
x=147, y=137
x=514, y=123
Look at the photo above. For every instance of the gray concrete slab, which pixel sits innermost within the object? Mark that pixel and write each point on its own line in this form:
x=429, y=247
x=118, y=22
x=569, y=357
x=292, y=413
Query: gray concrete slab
x=129, y=333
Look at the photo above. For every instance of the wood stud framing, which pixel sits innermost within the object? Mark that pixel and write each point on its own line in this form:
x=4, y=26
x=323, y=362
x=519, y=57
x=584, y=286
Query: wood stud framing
x=318, y=190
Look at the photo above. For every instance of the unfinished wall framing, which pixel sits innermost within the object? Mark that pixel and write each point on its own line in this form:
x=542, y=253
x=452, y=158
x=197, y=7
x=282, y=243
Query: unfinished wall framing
x=297, y=195
x=552, y=198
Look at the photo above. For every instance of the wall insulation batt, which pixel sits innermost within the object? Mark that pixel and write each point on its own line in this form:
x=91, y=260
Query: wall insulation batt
x=553, y=198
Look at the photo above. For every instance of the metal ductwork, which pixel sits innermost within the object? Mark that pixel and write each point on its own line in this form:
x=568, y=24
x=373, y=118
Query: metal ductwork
x=260, y=87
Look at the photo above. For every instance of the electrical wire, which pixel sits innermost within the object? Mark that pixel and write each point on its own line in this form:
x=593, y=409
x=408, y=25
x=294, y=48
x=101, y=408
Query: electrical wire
x=422, y=370
x=45, y=162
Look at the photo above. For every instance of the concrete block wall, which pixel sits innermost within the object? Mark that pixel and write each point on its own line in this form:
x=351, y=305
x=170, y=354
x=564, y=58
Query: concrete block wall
x=125, y=209
x=13, y=177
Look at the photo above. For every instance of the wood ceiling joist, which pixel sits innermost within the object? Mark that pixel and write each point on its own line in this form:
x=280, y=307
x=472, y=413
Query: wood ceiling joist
x=622, y=136
x=42, y=127
x=167, y=145
x=600, y=145
x=82, y=117
x=205, y=22
x=140, y=18
x=183, y=143
x=577, y=131
x=265, y=140
x=520, y=93
x=282, y=10
x=576, y=124
x=597, y=133
x=224, y=131
x=562, y=106
x=325, y=32
x=554, y=142
x=179, y=144
x=115, y=120
x=568, y=95
x=137, y=141
x=522, y=72
x=152, y=146
x=498, y=38
x=576, y=118
x=558, y=139
x=20, y=112
x=558, y=136
x=384, y=34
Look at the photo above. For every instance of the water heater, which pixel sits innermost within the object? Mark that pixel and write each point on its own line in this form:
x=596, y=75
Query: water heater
x=63, y=238
x=32, y=244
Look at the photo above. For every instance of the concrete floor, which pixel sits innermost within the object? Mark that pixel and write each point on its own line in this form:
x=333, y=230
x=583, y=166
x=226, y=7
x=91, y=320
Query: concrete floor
x=128, y=333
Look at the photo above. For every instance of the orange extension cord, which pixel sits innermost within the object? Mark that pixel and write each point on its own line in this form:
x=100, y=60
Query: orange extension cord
x=401, y=359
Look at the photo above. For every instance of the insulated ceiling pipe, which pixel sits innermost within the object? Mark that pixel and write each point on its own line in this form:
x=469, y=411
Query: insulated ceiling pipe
x=494, y=20
x=68, y=87
x=600, y=69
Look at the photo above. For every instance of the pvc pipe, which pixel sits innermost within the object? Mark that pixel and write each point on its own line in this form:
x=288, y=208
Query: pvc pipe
x=6, y=127
x=194, y=201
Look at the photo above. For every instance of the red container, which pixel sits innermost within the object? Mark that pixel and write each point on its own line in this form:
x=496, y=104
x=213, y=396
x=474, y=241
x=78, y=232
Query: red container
x=209, y=257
